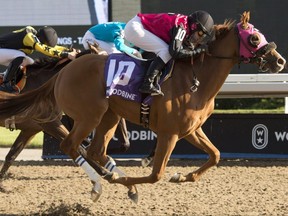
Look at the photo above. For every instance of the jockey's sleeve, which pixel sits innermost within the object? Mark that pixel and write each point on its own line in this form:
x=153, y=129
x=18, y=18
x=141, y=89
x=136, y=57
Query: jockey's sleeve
x=175, y=47
x=120, y=43
x=33, y=41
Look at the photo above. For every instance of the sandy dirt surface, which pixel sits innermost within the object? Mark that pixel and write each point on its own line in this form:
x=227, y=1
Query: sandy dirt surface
x=237, y=187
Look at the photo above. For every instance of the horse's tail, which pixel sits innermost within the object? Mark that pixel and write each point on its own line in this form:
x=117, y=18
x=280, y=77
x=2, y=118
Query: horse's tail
x=38, y=104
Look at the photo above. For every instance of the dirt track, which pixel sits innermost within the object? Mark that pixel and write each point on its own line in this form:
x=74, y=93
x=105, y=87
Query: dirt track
x=232, y=188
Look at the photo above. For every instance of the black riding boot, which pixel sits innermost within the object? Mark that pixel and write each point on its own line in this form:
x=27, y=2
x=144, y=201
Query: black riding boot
x=9, y=80
x=148, y=84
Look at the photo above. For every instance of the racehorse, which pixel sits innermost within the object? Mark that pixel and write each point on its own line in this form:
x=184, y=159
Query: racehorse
x=35, y=76
x=180, y=113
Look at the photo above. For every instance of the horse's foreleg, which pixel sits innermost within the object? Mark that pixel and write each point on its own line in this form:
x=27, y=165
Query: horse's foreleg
x=165, y=145
x=24, y=137
x=122, y=134
x=147, y=160
x=201, y=141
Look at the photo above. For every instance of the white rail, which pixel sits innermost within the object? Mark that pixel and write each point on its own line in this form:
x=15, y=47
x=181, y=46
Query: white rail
x=255, y=85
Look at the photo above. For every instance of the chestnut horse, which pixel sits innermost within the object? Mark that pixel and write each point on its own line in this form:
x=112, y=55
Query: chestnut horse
x=36, y=75
x=180, y=113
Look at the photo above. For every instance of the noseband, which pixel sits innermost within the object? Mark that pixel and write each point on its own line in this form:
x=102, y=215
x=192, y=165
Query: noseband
x=250, y=51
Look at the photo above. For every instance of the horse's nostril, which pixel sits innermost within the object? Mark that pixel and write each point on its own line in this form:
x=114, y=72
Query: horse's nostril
x=281, y=61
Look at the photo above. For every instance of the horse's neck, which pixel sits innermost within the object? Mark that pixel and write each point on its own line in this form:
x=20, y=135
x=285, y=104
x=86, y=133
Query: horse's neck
x=38, y=76
x=216, y=70
x=212, y=73
x=214, y=76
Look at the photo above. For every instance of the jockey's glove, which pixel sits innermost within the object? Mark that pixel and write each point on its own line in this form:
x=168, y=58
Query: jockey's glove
x=203, y=48
x=137, y=53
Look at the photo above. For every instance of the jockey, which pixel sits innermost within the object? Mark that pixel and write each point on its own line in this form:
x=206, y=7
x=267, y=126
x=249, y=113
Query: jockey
x=165, y=34
x=110, y=37
x=15, y=47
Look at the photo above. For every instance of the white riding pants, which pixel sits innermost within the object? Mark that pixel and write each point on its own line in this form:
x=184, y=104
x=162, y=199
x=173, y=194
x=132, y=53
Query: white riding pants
x=8, y=55
x=144, y=39
x=109, y=47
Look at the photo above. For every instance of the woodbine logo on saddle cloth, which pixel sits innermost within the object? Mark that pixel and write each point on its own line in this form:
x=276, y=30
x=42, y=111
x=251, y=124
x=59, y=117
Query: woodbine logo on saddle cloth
x=125, y=74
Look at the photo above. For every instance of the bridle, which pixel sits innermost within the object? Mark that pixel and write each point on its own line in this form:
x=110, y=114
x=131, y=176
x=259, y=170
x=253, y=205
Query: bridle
x=247, y=53
x=251, y=54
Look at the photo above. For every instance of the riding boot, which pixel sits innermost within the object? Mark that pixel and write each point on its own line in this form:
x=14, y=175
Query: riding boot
x=152, y=72
x=9, y=80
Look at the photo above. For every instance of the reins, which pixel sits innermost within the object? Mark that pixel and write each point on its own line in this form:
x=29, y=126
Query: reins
x=195, y=81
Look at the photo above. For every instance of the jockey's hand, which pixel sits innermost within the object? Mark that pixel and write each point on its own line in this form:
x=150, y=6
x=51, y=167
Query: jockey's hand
x=137, y=54
x=72, y=54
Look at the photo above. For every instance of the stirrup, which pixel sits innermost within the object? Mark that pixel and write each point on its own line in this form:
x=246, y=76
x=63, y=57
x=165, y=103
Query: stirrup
x=152, y=90
x=158, y=92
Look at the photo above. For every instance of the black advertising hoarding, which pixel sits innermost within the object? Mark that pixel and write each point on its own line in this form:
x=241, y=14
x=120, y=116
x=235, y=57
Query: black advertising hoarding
x=249, y=135
x=267, y=16
x=235, y=135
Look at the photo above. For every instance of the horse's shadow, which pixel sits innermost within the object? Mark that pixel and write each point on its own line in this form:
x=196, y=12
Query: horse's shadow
x=172, y=162
x=64, y=209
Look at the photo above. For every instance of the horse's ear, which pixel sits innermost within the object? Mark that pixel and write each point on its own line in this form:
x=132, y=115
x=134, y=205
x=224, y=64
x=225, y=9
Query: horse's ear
x=245, y=17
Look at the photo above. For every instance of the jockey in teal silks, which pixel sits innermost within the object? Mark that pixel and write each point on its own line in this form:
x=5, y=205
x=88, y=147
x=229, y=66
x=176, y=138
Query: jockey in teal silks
x=110, y=37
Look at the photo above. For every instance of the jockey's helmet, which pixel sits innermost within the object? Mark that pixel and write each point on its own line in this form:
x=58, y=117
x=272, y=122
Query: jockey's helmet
x=201, y=21
x=48, y=36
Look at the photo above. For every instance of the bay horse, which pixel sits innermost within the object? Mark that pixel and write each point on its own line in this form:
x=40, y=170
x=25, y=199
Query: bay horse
x=179, y=114
x=35, y=76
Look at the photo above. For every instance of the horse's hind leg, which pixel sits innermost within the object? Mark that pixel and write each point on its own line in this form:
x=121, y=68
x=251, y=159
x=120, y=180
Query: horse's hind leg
x=98, y=148
x=70, y=146
x=24, y=137
x=201, y=141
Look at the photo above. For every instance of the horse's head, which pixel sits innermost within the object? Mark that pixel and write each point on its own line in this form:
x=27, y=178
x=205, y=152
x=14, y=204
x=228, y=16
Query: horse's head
x=255, y=49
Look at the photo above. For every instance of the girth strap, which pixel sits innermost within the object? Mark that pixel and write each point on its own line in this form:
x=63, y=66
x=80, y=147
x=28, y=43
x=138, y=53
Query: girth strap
x=144, y=115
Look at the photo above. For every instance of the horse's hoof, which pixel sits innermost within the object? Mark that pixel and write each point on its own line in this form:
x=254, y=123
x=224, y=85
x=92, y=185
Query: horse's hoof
x=146, y=161
x=96, y=192
x=133, y=196
x=176, y=178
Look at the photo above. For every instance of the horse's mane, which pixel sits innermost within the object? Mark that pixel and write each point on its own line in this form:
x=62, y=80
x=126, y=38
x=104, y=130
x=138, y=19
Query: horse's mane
x=50, y=63
x=221, y=30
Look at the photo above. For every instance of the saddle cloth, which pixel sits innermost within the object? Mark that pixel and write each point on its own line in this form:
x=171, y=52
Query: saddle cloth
x=125, y=74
